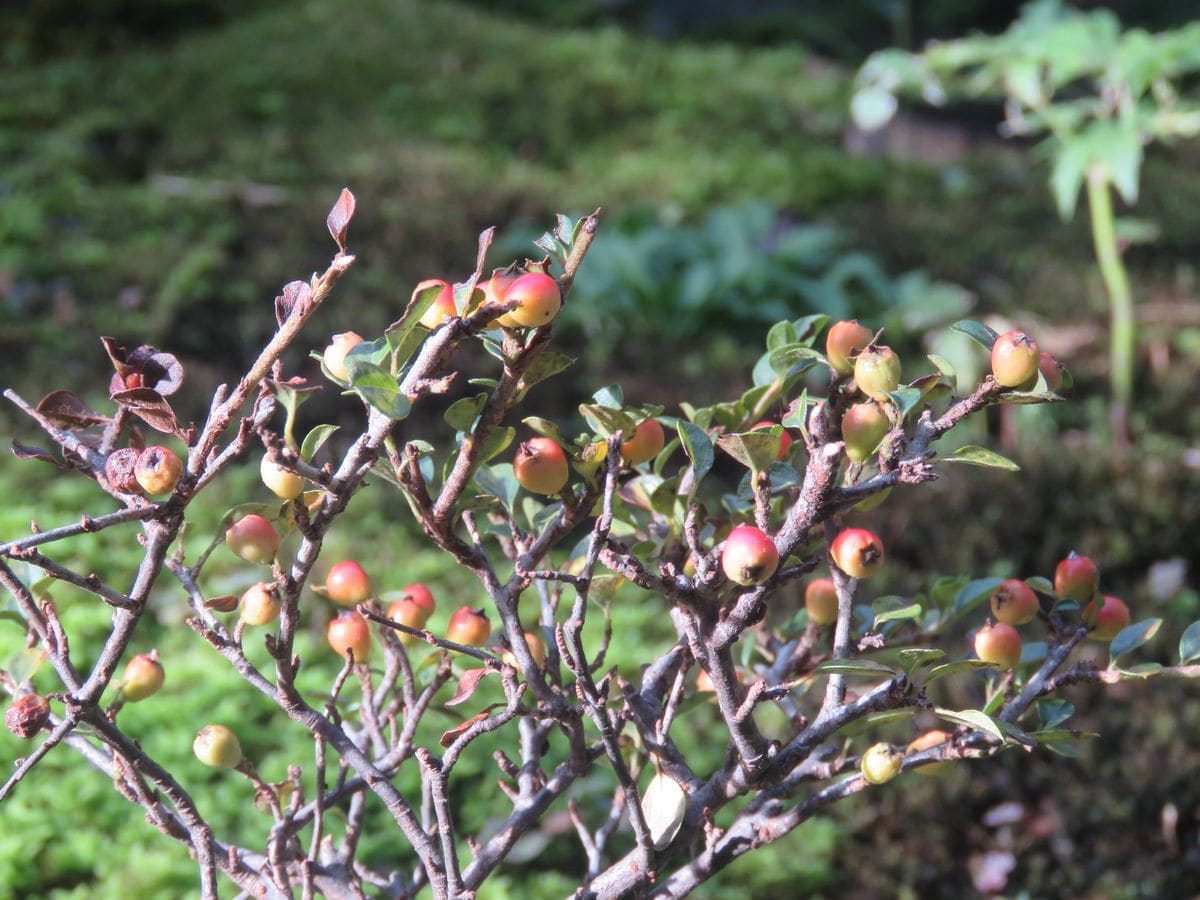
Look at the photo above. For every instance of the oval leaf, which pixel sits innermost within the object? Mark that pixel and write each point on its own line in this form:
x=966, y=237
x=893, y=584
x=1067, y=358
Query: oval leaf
x=1189, y=644
x=981, y=456
x=1133, y=636
x=977, y=331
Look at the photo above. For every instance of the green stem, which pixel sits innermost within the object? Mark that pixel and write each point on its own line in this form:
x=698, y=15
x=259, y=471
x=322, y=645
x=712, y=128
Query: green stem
x=1123, y=336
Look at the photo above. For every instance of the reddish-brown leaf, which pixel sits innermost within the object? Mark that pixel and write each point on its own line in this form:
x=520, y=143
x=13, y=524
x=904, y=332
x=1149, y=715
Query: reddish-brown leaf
x=467, y=684
x=295, y=298
x=65, y=409
x=453, y=734
x=149, y=406
x=223, y=604
x=25, y=451
x=339, y=218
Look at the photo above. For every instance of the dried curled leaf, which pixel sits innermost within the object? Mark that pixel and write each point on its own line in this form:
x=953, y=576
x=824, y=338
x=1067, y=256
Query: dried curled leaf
x=294, y=300
x=449, y=737
x=143, y=367
x=339, y=218
x=467, y=685
x=68, y=411
x=149, y=406
x=26, y=451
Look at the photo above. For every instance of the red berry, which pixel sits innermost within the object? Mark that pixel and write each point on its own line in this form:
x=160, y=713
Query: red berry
x=1015, y=358
x=495, y=292
x=541, y=466
x=420, y=596
x=27, y=716
x=857, y=552
x=1014, y=602
x=998, y=643
x=217, y=746
x=537, y=650
x=253, y=538
x=821, y=601
x=1076, y=578
x=877, y=372
x=1052, y=371
x=538, y=300
x=158, y=470
x=143, y=677
x=261, y=604
x=349, y=631
x=1107, y=621
x=443, y=307
x=334, y=356
x=749, y=556
x=864, y=425
x=647, y=442
x=469, y=626
x=844, y=341
x=347, y=583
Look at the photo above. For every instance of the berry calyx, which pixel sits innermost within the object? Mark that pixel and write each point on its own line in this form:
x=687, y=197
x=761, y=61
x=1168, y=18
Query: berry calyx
x=347, y=583
x=857, y=552
x=261, y=604
x=1106, y=620
x=469, y=625
x=253, y=538
x=217, y=746
x=442, y=308
x=864, y=425
x=541, y=466
x=334, y=356
x=785, y=439
x=1076, y=578
x=143, y=677
x=749, y=556
x=538, y=300
x=647, y=442
x=1015, y=359
x=877, y=372
x=821, y=601
x=349, y=632
x=158, y=470
x=998, y=643
x=844, y=341
x=282, y=483
x=881, y=763
x=1014, y=602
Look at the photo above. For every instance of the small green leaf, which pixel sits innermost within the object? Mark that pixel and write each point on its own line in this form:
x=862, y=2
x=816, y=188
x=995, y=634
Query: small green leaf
x=977, y=331
x=605, y=421
x=780, y=335
x=1041, y=585
x=398, y=331
x=912, y=611
x=315, y=440
x=1054, y=711
x=24, y=664
x=862, y=667
x=610, y=396
x=972, y=718
x=753, y=449
x=946, y=369
x=981, y=456
x=500, y=482
x=378, y=388
x=1189, y=644
x=496, y=443
x=462, y=413
x=546, y=428
x=1132, y=637
x=543, y=367
x=698, y=447
x=945, y=670
x=905, y=400
x=914, y=658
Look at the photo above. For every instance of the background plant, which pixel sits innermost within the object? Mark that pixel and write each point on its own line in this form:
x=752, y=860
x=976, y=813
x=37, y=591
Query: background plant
x=1098, y=94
